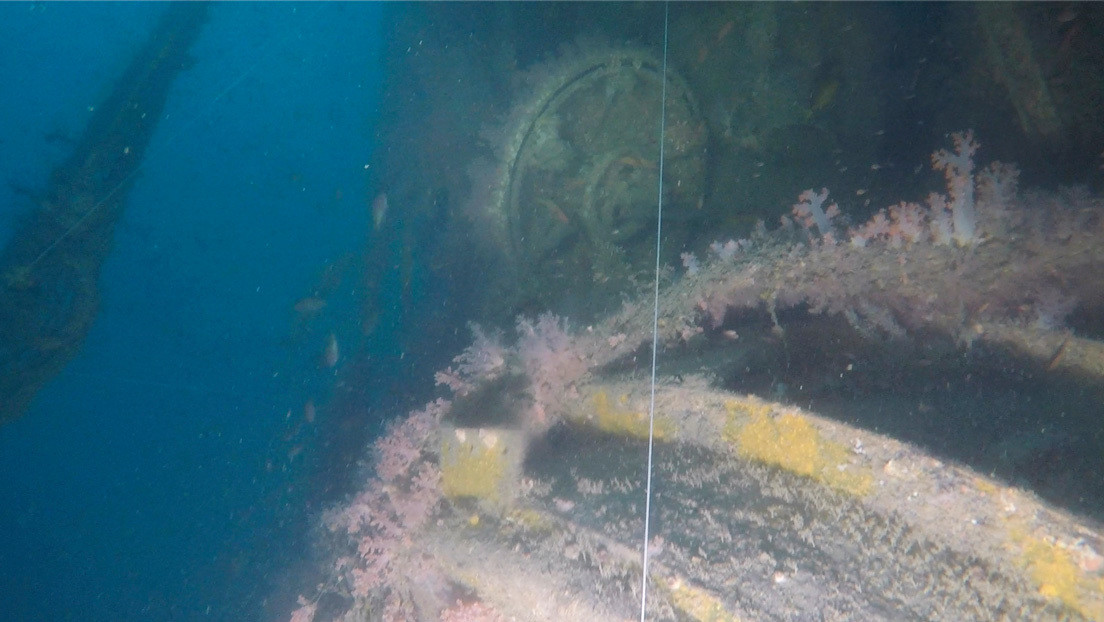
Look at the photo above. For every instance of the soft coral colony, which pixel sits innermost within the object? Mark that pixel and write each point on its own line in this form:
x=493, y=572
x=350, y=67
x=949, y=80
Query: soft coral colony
x=982, y=262
x=979, y=262
x=946, y=220
x=381, y=564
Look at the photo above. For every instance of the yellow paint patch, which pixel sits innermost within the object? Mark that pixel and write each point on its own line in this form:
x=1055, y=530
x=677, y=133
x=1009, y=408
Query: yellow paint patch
x=699, y=605
x=480, y=464
x=791, y=442
x=532, y=520
x=1057, y=575
x=622, y=421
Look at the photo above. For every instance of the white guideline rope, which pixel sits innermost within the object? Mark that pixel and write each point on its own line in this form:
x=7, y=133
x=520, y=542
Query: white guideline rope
x=655, y=329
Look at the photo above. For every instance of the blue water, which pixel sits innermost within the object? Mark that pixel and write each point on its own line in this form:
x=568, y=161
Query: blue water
x=154, y=478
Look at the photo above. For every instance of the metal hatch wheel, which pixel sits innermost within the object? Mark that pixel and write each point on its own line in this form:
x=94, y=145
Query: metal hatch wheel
x=574, y=199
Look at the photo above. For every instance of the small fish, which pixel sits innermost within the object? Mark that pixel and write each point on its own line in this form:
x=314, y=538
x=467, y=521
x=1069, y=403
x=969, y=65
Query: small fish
x=379, y=210
x=332, y=352
x=1059, y=354
x=554, y=210
x=309, y=411
x=1067, y=15
x=309, y=306
x=635, y=162
x=825, y=94
x=723, y=32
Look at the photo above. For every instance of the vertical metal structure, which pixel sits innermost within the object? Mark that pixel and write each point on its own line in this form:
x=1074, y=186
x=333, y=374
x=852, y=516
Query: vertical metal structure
x=49, y=272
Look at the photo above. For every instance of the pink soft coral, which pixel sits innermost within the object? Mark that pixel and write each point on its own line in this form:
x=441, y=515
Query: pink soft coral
x=809, y=211
x=483, y=360
x=398, y=501
x=958, y=168
x=550, y=359
x=305, y=612
x=471, y=612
